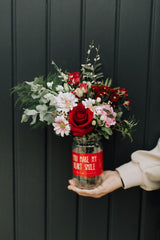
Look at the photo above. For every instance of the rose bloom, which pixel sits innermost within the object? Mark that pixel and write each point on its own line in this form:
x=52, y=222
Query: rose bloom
x=83, y=86
x=74, y=78
x=80, y=119
x=105, y=116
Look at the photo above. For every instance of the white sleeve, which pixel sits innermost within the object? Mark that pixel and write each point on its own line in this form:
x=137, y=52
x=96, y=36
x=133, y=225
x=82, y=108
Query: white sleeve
x=143, y=170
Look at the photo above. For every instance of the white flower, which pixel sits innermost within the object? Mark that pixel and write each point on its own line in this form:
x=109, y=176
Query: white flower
x=98, y=99
x=27, y=114
x=78, y=92
x=59, y=88
x=42, y=110
x=102, y=118
x=61, y=126
x=66, y=87
x=50, y=97
x=88, y=103
x=49, y=84
x=94, y=122
x=64, y=76
x=65, y=101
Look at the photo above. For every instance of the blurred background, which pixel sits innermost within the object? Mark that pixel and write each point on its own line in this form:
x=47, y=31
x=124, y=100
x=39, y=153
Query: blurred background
x=35, y=165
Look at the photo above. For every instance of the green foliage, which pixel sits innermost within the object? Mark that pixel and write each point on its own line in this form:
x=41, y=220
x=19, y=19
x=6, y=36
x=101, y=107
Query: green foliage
x=126, y=127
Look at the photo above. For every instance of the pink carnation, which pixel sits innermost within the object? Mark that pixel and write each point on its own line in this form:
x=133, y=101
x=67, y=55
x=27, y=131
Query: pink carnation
x=106, y=113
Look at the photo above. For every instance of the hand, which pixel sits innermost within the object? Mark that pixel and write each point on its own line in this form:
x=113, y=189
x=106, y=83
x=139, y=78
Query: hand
x=111, y=181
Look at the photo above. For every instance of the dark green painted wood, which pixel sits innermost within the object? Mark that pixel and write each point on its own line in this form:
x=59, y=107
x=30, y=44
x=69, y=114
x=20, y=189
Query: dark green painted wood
x=131, y=73
x=65, y=51
x=98, y=25
x=36, y=204
x=150, y=220
x=29, y=49
x=6, y=144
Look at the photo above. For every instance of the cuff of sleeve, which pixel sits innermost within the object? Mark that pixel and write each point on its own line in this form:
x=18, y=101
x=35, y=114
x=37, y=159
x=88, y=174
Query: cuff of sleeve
x=131, y=174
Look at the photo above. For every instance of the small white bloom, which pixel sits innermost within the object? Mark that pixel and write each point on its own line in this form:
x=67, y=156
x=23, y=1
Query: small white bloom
x=98, y=99
x=49, y=84
x=59, y=88
x=94, y=122
x=102, y=118
x=66, y=87
x=64, y=76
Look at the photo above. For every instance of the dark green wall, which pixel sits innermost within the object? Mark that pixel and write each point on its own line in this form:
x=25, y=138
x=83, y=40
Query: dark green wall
x=35, y=165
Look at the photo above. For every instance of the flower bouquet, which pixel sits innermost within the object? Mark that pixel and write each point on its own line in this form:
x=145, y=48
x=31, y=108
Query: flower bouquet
x=83, y=105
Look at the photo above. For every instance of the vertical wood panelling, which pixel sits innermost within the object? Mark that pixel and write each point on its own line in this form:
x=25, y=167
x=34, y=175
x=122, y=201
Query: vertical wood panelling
x=29, y=144
x=6, y=144
x=65, y=51
x=150, y=221
x=99, y=24
x=35, y=165
x=132, y=69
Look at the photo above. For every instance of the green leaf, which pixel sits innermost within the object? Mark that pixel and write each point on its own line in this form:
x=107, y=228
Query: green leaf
x=110, y=116
x=107, y=130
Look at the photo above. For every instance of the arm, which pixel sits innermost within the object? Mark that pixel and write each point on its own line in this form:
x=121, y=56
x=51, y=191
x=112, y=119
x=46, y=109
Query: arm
x=143, y=170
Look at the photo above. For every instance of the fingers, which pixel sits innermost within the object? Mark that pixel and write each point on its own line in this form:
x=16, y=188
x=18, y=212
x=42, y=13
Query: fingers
x=95, y=193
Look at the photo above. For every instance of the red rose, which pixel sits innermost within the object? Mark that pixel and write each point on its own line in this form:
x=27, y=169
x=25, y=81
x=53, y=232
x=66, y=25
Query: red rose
x=80, y=119
x=74, y=78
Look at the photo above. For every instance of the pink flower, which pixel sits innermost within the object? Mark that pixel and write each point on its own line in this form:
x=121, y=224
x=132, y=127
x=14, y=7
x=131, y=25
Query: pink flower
x=61, y=126
x=106, y=113
x=83, y=86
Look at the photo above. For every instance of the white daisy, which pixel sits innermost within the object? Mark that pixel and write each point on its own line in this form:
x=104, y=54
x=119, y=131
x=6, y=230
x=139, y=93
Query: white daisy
x=66, y=101
x=88, y=103
x=61, y=126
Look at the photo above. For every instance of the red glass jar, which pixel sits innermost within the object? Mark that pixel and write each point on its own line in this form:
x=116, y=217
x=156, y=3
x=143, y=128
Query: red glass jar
x=87, y=161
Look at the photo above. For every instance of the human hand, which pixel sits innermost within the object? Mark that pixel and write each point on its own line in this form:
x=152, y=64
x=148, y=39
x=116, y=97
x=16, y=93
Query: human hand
x=111, y=181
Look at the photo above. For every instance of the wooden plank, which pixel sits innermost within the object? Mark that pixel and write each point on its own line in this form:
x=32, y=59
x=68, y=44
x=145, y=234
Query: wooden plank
x=98, y=25
x=6, y=154
x=65, y=51
x=131, y=73
x=150, y=219
x=29, y=61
